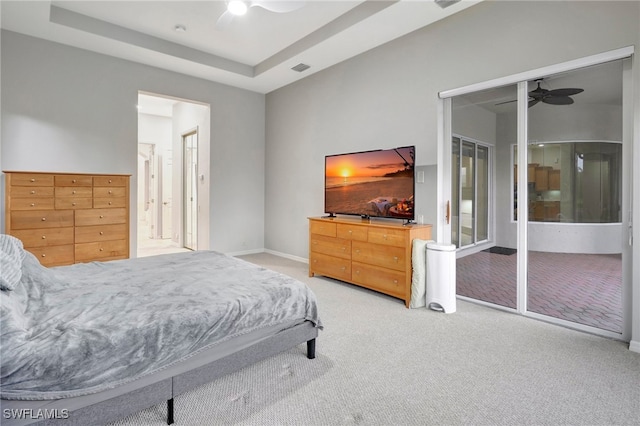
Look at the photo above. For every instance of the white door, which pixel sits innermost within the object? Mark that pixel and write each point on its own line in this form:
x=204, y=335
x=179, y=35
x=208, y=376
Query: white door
x=167, y=193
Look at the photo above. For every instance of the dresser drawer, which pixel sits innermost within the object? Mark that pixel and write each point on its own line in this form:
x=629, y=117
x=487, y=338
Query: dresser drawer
x=31, y=179
x=381, y=279
x=109, y=203
x=100, y=217
x=45, y=203
x=41, y=219
x=107, y=192
x=89, y=234
x=31, y=191
x=323, y=228
x=75, y=192
x=330, y=266
x=332, y=246
x=44, y=237
x=101, y=250
x=391, y=237
x=110, y=180
x=73, y=180
x=54, y=255
x=351, y=232
x=379, y=255
x=73, y=203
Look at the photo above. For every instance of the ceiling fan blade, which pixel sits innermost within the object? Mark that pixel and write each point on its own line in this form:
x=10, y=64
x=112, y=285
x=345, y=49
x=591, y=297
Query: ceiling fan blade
x=533, y=102
x=558, y=100
x=278, y=6
x=225, y=20
x=565, y=92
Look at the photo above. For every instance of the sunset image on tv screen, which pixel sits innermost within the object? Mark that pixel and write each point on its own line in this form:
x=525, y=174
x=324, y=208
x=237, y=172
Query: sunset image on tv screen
x=373, y=183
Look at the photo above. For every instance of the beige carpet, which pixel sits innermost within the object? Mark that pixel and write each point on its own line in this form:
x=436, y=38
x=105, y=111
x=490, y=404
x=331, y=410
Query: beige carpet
x=379, y=363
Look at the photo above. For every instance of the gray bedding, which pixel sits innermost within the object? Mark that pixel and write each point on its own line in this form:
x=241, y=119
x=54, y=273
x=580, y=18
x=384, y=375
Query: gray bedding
x=81, y=329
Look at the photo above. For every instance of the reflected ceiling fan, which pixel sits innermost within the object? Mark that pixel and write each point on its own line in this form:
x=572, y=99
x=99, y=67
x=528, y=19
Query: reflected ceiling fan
x=551, y=97
x=240, y=7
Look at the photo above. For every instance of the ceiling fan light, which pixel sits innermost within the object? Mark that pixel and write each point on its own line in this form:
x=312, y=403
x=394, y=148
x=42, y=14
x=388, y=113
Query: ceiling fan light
x=237, y=7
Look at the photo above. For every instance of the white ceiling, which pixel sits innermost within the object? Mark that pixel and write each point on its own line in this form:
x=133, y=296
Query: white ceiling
x=256, y=52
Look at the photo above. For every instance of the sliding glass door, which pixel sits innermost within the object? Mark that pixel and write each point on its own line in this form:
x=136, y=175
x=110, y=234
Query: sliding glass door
x=547, y=235
x=575, y=199
x=486, y=259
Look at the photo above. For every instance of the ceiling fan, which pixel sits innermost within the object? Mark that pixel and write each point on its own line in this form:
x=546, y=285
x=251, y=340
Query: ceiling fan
x=241, y=7
x=551, y=97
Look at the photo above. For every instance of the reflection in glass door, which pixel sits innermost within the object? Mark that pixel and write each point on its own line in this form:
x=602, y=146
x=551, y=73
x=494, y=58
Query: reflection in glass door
x=486, y=266
x=190, y=190
x=574, y=248
x=470, y=192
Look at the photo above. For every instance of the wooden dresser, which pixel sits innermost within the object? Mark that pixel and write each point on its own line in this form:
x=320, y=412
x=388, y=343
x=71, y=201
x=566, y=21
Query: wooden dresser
x=375, y=255
x=65, y=218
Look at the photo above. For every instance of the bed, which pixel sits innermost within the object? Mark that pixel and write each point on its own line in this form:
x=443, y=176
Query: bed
x=91, y=343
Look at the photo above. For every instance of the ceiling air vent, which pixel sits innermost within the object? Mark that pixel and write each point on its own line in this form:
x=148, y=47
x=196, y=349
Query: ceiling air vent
x=301, y=67
x=446, y=3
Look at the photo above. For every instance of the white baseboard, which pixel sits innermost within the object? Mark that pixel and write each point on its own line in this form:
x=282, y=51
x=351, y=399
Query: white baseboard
x=242, y=253
x=288, y=256
x=634, y=346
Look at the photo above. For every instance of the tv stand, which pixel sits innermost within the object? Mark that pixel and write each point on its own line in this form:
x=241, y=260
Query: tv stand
x=372, y=255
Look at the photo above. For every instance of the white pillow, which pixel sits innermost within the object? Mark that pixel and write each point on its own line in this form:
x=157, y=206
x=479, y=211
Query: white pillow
x=11, y=256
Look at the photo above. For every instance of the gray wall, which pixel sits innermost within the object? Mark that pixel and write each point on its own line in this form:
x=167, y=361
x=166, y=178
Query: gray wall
x=387, y=97
x=70, y=110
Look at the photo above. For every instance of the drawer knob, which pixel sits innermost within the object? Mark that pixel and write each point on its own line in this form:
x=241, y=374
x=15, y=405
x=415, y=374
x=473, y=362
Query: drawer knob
x=344, y=248
x=395, y=258
x=44, y=255
x=384, y=236
x=33, y=180
x=101, y=233
x=395, y=282
x=315, y=261
x=110, y=192
x=73, y=204
x=109, y=180
x=101, y=216
x=33, y=204
x=357, y=250
x=73, y=181
x=358, y=272
x=101, y=249
x=350, y=231
x=343, y=268
x=33, y=192
x=73, y=192
x=109, y=202
x=44, y=218
x=44, y=237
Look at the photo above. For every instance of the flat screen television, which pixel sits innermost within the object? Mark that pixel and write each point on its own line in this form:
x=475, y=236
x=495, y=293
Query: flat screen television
x=371, y=183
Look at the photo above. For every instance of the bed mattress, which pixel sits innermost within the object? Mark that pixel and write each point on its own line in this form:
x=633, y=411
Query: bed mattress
x=87, y=328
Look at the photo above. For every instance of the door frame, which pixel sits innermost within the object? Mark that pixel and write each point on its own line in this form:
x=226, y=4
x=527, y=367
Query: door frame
x=186, y=170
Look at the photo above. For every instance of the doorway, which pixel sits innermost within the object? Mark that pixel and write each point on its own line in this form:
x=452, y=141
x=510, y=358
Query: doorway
x=558, y=252
x=173, y=163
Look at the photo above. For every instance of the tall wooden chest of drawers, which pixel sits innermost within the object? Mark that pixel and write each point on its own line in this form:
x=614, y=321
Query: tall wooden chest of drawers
x=65, y=218
x=375, y=255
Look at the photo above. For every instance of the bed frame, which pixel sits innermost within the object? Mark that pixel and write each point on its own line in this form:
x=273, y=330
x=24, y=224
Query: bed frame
x=110, y=405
